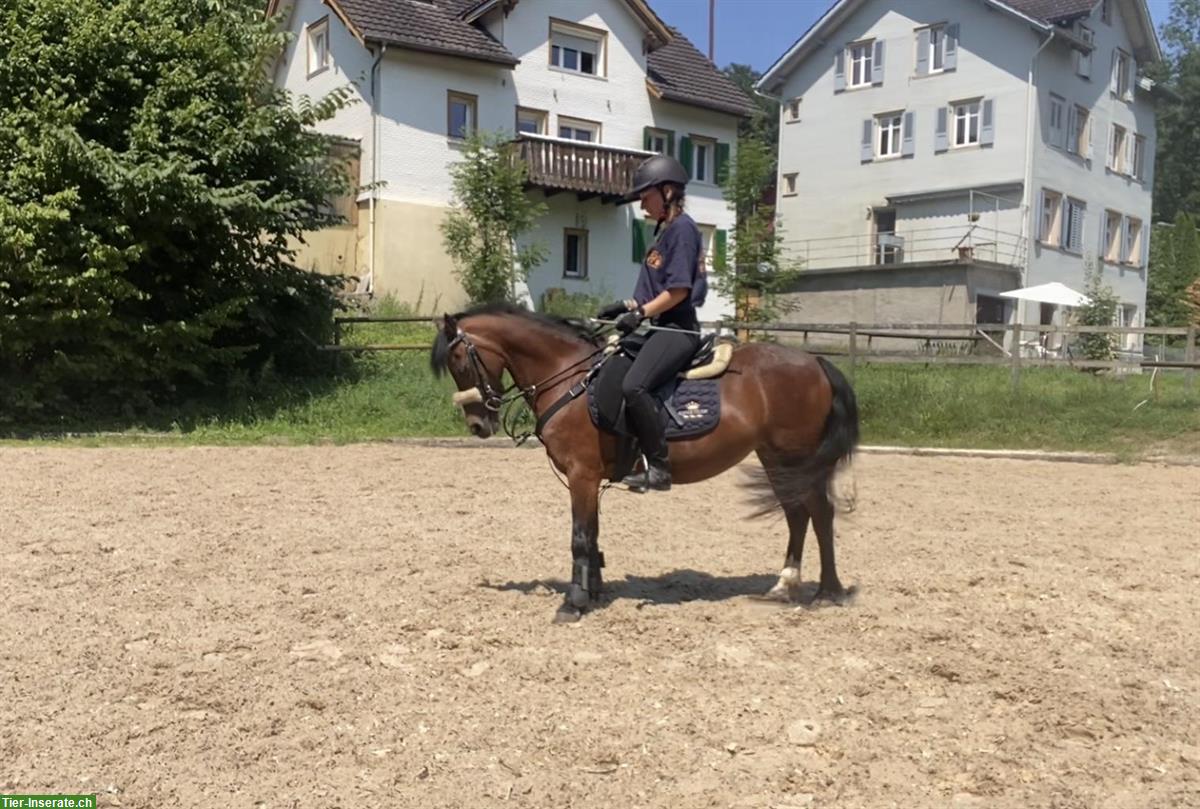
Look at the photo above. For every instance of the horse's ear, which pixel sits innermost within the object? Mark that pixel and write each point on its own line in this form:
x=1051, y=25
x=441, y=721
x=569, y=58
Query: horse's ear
x=449, y=326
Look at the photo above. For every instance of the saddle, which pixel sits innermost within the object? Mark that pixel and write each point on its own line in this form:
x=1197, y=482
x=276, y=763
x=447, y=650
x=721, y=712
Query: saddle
x=689, y=405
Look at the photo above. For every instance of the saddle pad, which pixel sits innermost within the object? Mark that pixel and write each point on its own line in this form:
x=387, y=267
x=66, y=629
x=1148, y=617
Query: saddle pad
x=697, y=403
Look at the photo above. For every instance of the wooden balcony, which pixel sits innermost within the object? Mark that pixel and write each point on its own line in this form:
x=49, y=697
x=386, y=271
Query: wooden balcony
x=588, y=169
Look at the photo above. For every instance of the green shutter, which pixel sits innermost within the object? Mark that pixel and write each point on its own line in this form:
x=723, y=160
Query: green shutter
x=719, y=250
x=670, y=133
x=722, y=163
x=646, y=132
x=639, y=241
x=685, y=154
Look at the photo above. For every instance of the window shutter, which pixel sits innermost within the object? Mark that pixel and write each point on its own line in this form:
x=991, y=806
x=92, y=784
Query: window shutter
x=722, y=163
x=685, y=154
x=908, y=145
x=1072, y=131
x=1091, y=127
x=719, y=247
x=1133, y=78
x=1077, y=217
x=1104, y=236
x=923, y=52
x=941, y=138
x=839, y=71
x=670, y=134
x=1145, y=256
x=647, y=138
x=1040, y=224
x=1130, y=140
x=639, y=240
x=950, y=59
x=877, y=63
x=1124, y=239
x=1110, y=160
x=868, y=150
x=1112, y=81
x=987, y=129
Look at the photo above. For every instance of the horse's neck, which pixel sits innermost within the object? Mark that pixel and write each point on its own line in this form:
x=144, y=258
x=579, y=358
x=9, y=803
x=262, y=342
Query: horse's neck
x=534, y=357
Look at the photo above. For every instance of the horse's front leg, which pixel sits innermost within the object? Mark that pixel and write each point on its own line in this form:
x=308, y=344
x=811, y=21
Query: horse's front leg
x=585, y=549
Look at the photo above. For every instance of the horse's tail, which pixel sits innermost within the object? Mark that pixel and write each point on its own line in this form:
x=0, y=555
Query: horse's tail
x=792, y=480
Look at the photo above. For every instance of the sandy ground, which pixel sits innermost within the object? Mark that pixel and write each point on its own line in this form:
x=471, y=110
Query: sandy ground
x=370, y=626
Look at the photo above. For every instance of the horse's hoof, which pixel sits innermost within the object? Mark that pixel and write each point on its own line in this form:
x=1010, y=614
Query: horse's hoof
x=567, y=614
x=839, y=596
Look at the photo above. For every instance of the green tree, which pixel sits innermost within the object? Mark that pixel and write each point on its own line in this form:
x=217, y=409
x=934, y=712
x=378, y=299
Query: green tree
x=150, y=177
x=1174, y=266
x=1177, y=172
x=755, y=270
x=1100, y=310
x=491, y=209
x=764, y=121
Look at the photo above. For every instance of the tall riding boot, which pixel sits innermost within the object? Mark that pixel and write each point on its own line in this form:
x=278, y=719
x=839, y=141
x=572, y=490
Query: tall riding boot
x=644, y=419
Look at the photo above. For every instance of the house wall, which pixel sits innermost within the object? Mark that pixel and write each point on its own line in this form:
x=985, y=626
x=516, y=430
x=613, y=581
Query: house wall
x=1089, y=179
x=834, y=188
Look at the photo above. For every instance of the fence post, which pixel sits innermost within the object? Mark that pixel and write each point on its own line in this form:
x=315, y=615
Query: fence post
x=337, y=341
x=1189, y=356
x=1016, y=356
x=853, y=349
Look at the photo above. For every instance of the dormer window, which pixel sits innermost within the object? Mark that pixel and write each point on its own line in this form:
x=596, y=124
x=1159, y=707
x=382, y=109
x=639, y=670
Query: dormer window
x=577, y=48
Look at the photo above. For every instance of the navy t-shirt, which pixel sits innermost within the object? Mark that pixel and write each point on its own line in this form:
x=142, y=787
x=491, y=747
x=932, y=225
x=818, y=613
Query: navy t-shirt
x=674, y=263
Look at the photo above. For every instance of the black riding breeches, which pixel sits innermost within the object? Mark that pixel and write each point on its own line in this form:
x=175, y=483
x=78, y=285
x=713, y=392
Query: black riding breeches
x=661, y=357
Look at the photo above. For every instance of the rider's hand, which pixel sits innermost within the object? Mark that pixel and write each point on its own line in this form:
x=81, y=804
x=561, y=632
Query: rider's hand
x=612, y=310
x=628, y=322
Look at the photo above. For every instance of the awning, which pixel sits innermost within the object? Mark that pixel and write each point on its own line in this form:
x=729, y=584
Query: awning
x=1054, y=292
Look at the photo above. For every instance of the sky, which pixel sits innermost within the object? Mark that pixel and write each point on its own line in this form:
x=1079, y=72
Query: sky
x=757, y=32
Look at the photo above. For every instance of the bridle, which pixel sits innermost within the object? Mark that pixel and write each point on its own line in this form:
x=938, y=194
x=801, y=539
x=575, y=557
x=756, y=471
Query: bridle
x=494, y=401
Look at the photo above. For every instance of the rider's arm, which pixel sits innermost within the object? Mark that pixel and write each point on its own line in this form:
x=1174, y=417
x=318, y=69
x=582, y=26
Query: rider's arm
x=665, y=301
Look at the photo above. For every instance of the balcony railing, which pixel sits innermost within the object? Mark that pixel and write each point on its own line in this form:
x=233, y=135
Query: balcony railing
x=588, y=169
x=910, y=245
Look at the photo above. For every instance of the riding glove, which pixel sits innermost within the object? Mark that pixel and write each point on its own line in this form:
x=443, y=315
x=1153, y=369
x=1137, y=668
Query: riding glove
x=612, y=310
x=628, y=322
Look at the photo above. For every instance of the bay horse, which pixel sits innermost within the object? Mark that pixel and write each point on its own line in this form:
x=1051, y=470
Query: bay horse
x=796, y=411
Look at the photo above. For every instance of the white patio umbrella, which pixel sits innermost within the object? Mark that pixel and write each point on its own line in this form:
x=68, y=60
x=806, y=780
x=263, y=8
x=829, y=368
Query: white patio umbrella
x=1054, y=292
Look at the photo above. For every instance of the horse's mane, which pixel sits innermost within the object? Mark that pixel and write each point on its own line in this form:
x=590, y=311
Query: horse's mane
x=566, y=327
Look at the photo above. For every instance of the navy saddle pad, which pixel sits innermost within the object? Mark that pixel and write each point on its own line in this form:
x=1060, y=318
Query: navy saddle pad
x=693, y=407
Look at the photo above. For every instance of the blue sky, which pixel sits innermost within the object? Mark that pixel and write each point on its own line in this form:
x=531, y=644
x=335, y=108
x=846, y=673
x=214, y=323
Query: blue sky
x=757, y=32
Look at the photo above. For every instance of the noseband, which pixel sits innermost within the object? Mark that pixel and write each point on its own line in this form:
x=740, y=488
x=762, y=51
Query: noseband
x=483, y=391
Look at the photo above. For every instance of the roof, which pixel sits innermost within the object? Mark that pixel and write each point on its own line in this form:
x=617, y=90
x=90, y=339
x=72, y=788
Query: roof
x=424, y=25
x=679, y=72
x=1044, y=14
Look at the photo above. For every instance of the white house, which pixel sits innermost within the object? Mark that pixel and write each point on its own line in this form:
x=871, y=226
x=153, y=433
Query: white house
x=937, y=153
x=587, y=90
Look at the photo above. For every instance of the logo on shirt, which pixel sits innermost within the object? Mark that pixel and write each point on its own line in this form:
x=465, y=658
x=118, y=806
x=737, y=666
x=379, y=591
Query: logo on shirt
x=654, y=260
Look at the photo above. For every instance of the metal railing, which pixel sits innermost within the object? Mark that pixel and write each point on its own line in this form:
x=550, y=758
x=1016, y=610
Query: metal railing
x=971, y=242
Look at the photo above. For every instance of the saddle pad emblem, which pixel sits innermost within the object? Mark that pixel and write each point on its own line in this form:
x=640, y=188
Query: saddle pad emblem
x=692, y=411
x=654, y=260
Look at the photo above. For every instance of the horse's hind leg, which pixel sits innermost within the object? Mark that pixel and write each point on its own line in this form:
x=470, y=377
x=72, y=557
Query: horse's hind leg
x=822, y=511
x=796, y=513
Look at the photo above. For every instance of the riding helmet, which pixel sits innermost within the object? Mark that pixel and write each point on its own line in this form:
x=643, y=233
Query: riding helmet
x=655, y=171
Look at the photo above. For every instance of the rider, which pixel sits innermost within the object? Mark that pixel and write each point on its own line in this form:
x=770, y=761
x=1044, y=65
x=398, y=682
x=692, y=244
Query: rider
x=669, y=288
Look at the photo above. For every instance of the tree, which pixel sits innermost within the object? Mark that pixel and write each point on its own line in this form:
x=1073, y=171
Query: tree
x=764, y=121
x=491, y=209
x=150, y=177
x=1100, y=310
x=1177, y=173
x=1174, y=266
x=755, y=270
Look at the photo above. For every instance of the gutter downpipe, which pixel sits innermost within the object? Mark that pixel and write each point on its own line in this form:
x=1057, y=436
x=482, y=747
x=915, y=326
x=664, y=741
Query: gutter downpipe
x=1027, y=225
x=376, y=82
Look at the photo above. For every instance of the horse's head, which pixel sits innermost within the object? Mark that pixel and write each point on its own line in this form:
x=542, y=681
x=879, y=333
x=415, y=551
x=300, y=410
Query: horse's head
x=476, y=368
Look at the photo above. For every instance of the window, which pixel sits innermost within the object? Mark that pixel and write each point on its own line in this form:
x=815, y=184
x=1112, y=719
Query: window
x=1116, y=149
x=702, y=160
x=1112, y=237
x=1083, y=61
x=937, y=49
x=1122, y=75
x=318, y=46
x=789, y=184
x=577, y=129
x=658, y=140
x=1126, y=315
x=576, y=48
x=531, y=121
x=1058, y=128
x=461, y=114
x=990, y=309
x=860, y=63
x=1138, y=164
x=1106, y=12
x=1074, y=213
x=1133, y=242
x=792, y=111
x=1079, y=139
x=1050, y=231
x=575, y=253
x=889, y=127
x=966, y=123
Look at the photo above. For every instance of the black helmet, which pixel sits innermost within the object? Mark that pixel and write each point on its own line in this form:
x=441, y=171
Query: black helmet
x=655, y=171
